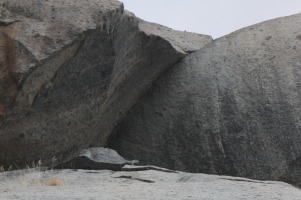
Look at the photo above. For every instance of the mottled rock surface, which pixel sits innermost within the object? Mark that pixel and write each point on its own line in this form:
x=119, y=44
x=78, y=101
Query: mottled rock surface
x=149, y=184
x=232, y=107
x=74, y=70
x=72, y=73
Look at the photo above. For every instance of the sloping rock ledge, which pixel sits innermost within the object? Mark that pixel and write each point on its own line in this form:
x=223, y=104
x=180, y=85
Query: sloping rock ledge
x=149, y=184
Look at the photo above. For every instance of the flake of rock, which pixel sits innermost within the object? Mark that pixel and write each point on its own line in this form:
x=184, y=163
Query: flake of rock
x=96, y=158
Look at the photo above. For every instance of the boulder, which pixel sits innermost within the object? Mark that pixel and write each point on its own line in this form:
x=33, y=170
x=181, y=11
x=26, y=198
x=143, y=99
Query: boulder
x=96, y=158
x=232, y=107
x=71, y=71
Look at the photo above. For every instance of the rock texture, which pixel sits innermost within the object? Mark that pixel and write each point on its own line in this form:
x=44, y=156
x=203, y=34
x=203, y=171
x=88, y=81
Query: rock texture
x=72, y=73
x=231, y=108
x=150, y=184
x=71, y=70
x=96, y=158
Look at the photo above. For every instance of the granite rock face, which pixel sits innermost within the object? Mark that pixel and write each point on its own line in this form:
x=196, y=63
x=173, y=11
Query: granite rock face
x=80, y=74
x=233, y=107
x=71, y=70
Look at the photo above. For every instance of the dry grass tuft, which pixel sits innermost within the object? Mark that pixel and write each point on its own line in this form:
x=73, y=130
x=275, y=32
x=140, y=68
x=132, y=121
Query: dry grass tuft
x=23, y=181
x=53, y=182
x=37, y=176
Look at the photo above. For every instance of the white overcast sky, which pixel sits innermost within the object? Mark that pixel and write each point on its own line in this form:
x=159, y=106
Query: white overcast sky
x=211, y=17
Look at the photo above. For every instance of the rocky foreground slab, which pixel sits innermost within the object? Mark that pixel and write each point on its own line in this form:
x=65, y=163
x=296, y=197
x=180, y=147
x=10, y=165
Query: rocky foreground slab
x=147, y=184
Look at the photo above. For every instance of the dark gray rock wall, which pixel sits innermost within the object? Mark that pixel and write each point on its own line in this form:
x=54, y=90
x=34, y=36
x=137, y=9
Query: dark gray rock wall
x=232, y=107
x=86, y=64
